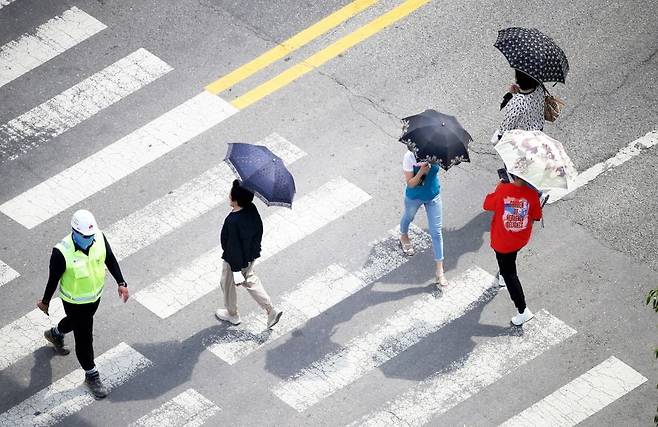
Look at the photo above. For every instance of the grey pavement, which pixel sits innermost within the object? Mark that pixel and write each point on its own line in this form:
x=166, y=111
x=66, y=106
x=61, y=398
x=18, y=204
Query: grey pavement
x=591, y=265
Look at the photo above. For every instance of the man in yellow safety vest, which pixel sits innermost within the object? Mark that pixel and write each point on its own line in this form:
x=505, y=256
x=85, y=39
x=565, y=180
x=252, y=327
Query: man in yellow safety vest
x=78, y=264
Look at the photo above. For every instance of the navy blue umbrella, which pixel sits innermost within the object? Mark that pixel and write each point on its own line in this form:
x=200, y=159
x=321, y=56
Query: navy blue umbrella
x=262, y=172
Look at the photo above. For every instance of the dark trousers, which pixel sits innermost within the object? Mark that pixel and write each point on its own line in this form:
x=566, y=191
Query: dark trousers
x=80, y=319
x=507, y=266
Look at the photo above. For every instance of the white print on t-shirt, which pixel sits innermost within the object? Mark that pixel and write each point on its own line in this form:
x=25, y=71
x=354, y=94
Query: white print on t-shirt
x=409, y=161
x=515, y=214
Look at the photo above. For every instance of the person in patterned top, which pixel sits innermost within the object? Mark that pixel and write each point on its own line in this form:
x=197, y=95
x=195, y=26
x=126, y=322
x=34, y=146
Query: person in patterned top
x=524, y=106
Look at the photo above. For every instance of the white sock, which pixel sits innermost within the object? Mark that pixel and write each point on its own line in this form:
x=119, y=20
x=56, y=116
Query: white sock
x=92, y=371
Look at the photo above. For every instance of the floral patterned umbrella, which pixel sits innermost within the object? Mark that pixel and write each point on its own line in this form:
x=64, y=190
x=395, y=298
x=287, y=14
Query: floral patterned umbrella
x=537, y=158
x=436, y=138
x=534, y=53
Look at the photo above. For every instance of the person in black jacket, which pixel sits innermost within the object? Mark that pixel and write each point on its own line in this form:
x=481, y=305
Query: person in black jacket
x=241, y=237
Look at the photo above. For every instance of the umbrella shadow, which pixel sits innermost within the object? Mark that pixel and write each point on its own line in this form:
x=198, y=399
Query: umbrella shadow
x=449, y=347
x=315, y=338
x=172, y=365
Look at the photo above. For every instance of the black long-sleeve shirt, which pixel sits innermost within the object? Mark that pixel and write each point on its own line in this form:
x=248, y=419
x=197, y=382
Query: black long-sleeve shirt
x=241, y=237
x=58, y=266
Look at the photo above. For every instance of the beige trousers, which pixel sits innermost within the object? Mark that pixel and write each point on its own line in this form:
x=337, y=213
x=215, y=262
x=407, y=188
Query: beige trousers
x=252, y=284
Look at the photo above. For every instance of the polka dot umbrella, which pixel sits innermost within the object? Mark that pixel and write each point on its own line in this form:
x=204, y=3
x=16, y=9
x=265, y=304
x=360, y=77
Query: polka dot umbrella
x=534, y=53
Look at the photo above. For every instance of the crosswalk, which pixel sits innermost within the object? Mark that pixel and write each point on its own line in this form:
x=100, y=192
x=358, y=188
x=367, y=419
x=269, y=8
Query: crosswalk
x=331, y=285
x=48, y=40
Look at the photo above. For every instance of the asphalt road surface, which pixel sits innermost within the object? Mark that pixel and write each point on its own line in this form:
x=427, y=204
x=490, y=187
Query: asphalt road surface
x=126, y=109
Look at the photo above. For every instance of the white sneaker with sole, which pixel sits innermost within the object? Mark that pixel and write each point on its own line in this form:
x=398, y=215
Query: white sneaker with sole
x=501, y=280
x=273, y=318
x=521, y=318
x=223, y=314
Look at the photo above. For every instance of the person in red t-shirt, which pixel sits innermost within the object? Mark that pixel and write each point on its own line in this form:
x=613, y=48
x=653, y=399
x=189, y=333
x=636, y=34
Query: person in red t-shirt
x=515, y=206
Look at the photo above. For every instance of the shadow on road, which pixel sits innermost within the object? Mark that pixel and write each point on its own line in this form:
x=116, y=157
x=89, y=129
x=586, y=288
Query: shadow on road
x=315, y=338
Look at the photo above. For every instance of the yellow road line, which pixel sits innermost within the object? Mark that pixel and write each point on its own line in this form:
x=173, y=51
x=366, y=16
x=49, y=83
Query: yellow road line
x=327, y=53
x=295, y=42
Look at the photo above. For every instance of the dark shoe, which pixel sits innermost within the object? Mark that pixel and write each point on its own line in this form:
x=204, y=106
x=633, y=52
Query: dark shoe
x=95, y=385
x=57, y=341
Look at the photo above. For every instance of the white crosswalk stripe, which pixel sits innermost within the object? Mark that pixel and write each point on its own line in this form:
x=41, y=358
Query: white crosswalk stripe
x=49, y=40
x=405, y=328
x=282, y=228
x=184, y=204
x=633, y=149
x=68, y=395
x=582, y=397
x=188, y=409
x=486, y=364
x=7, y=274
x=80, y=102
x=314, y=296
x=118, y=160
x=24, y=335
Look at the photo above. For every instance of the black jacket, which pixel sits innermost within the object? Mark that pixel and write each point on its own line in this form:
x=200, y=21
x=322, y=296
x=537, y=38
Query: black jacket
x=241, y=237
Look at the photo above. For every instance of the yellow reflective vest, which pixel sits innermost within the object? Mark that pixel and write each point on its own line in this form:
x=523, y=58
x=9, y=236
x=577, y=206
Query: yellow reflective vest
x=84, y=277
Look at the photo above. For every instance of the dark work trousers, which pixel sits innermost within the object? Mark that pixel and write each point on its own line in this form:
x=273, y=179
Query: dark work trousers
x=507, y=266
x=80, y=319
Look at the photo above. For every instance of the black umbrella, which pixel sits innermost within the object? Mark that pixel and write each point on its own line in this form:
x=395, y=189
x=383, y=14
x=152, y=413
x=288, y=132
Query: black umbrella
x=436, y=138
x=262, y=172
x=534, y=53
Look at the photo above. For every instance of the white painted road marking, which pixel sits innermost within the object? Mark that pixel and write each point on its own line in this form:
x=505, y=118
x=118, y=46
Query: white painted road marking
x=24, y=335
x=405, y=328
x=486, y=364
x=80, y=102
x=69, y=395
x=282, y=228
x=625, y=154
x=582, y=397
x=7, y=274
x=188, y=409
x=313, y=296
x=49, y=40
x=118, y=160
x=184, y=204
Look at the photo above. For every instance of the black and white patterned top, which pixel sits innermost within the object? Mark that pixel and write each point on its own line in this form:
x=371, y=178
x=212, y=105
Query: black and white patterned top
x=524, y=111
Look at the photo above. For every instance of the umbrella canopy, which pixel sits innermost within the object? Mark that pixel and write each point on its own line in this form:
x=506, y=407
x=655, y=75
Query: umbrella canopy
x=537, y=158
x=436, y=138
x=262, y=172
x=534, y=53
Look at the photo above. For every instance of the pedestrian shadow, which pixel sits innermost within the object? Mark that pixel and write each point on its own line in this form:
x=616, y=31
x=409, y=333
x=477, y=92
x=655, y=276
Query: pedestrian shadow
x=467, y=239
x=41, y=376
x=172, y=365
x=449, y=347
x=314, y=339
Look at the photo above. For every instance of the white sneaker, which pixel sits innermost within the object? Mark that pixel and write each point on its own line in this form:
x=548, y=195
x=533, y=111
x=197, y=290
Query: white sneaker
x=501, y=280
x=521, y=318
x=273, y=317
x=223, y=314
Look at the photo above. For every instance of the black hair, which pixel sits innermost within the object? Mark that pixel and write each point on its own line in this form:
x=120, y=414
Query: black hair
x=241, y=195
x=524, y=81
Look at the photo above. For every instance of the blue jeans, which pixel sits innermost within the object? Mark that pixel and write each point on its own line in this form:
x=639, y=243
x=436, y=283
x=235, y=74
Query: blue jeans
x=433, y=210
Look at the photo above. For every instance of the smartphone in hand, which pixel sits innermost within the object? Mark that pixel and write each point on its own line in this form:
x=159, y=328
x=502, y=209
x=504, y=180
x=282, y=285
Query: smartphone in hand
x=502, y=174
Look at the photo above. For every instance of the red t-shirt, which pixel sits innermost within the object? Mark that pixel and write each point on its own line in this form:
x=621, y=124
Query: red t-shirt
x=515, y=208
